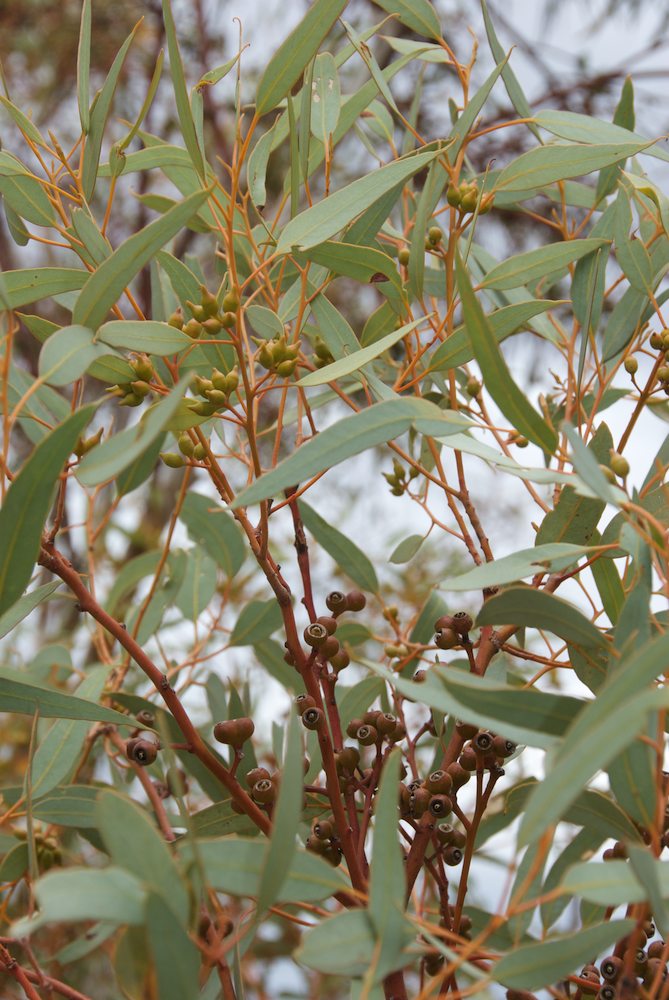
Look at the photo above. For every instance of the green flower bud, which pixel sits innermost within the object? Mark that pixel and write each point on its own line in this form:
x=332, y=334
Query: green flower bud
x=176, y=320
x=186, y=446
x=172, y=460
x=403, y=256
x=192, y=329
x=231, y=301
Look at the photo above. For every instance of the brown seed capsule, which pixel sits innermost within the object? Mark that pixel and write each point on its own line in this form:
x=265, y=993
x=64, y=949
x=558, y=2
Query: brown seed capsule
x=452, y=855
x=445, y=833
x=340, y=661
x=353, y=727
x=653, y=967
x=440, y=805
x=419, y=802
x=439, y=782
x=459, y=838
x=355, y=600
x=462, y=622
x=312, y=718
x=347, y=759
x=316, y=846
x=611, y=968
x=433, y=964
x=385, y=723
x=303, y=702
x=482, y=742
x=444, y=621
x=367, y=735
x=234, y=732
x=329, y=648
x=328, y=622
x=264, y=791
x=256, y=774
x=323, y=828
x=336, y=602
x=146, y=718
x=315, y=635
x=656, y=949
x=468, y=759
x=446, y=638
x=370, y=717
x=503, y=747
x=398, y=734
x=465, y=729
x=333, y=854
x=419, y=677
x=142, y=752
x=458, y=774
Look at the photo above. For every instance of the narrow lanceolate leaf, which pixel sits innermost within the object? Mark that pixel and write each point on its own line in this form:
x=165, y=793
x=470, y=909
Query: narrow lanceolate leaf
x=325, y=97
x=24, y=193
x=377, y=424
x=526, y=562
x=98, y=119
x=610, y=883
x=351, y=363
x=121, y=450
x=288, y=62
x=181, y=91
x=26, y=698
x=586, y=129
x=419, y=15
x=538, y=609
x=106, y=284
x=285, y=819
x=548, y=164
x=498, y=381
x=176, y=958
x=214, y=530
x=387, y=888
x=84, y=66
x=349, y=934
x=20, y=288
x=647, y=871
x=345, y=553
x=513, y=88
x=599, y=734
x=333, y=214
x=155, y=338
x=27, y=504
x=67, y=354
x=22, y=608
x=536, y=965
x=535, y=264
x=258, y=620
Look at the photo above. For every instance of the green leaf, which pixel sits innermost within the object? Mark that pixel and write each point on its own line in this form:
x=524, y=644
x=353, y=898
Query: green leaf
x=574, y=517
x=509, y=569
x=180, y=91
x=612, y=883
x=256, y=622
x=19, y=288
x=256, y=167
x=325, y=97
x=513, y=88
x=359, y=262
x=111, y=457
x=28, y=502
x=322, y=221
x=354, y=700
x=67, y=354
x=135, y=844
x=353, y=362
x=406, y=549
x=387, y=887
x=215, y=530
x=98, y=119
x=534, y=966
x=106, y=284
x=69, y=805
x=536, y=264
x=418, y=15
x=154, y=338
x=498, y=381
x=199, y=584
x=632, y=779
x=457, y=349
x=24, y=606
x=84, y=66
x=587, y=129
x=27, y=127
x=234, y=864
x=348, y=934
x=176, y=959
x=219, y=820
x=24, y=193
x=547, y=164
x=587, y=466
x=59, y=751
x=292, y=56
x=26, y=698
x=602, y=730
x=375, y=425
x=538, y=609
x=285, y=819
x=647, y=871
x=345, y=552
x=69, y=895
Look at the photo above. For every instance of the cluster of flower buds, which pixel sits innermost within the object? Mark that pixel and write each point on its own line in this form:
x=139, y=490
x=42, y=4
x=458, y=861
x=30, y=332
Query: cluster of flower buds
x=215, y=391
x=322, y=354
x=398, y=479
x=323, y=840
x=134, y=392
x=84, y=445
x=207, y=318
x=277, y=355
x=466, y=197
x=659, y=342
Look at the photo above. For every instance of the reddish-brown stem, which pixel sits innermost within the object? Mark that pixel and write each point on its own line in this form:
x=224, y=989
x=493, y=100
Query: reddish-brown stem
x=52, y=560
x=302, y=550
